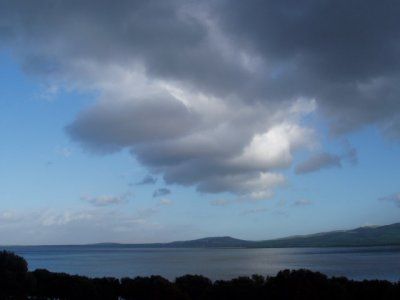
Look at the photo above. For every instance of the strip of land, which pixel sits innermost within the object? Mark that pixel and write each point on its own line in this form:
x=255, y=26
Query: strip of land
x=387, y=235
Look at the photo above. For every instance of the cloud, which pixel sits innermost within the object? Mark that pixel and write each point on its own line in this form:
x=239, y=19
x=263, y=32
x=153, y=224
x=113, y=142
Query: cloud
x=145, y=213
x=161, y=192
x=220, y=202
x=107, y=200
x=64, y=151
x=326, y=160
x=350, y=155
x=330, y=50
x=395, y=198
x=244, y=199
x=302, y=202
x=71, y=226
x=214, y=94
x=147, y=180
x=318, y=162
x=50, y=219
x=9, y=216
x=254, y=211
x=165, y=202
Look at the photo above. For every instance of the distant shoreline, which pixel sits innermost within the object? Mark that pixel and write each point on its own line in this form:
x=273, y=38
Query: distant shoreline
x=375, y=236
x=148, y=246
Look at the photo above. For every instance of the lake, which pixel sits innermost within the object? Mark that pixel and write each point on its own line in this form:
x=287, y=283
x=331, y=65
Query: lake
x=96, y=261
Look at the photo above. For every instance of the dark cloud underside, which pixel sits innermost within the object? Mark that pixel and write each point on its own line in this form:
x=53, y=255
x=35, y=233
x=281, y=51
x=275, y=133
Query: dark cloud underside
x=213, y=93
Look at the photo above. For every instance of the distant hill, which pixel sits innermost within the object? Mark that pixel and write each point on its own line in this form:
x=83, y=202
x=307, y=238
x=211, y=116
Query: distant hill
x=364, y=236
x=210, y=242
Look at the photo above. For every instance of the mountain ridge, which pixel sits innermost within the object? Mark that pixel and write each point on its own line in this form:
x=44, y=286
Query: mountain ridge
x=385, y=235
x=367, y=236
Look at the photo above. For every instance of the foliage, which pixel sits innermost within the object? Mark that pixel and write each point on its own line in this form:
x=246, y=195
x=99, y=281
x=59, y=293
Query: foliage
x=17, y=283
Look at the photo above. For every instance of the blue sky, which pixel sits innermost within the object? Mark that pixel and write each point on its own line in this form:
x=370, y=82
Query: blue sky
x=75, y=146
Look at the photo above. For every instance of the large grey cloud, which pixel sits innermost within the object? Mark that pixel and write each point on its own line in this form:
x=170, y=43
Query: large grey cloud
x=213, y=94
x=344, y=53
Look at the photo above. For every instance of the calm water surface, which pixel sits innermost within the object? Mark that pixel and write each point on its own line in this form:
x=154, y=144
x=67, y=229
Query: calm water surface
x=356, y=263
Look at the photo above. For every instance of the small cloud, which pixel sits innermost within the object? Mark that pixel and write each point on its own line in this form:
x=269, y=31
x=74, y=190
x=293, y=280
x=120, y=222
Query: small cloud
x=165, y=202
x=326, y=160
x=395, y=198
x=49, y=92
x=106, y=200
x=281, y=203
x=146, y=212
x=161, y=192
x=254, y=211
x=350, y=154
x=317, y=162
x=64, y=151
x=239, y=200
x=50, y=218
x=281, y=213
x=302, y=202
x=220, y=202
x=147, y=180
x=8, y=216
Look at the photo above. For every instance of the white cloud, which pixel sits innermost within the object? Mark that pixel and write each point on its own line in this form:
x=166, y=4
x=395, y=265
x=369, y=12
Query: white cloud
x=8, y=216
x=54, y=226
x=165, y=202
x=64, y=151
x=51, y=218
x=274, y=148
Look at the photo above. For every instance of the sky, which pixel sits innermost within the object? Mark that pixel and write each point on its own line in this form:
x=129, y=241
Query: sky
x=154, y=121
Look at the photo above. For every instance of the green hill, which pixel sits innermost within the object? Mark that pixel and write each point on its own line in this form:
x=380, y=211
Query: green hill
x=363, y=236
x=388, y=235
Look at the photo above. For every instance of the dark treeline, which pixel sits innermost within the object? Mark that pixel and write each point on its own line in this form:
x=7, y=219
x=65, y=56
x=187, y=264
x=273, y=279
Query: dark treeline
x=16, y=282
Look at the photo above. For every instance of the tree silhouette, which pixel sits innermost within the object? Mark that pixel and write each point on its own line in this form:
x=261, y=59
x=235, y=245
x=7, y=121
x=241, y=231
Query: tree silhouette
x=17, y=283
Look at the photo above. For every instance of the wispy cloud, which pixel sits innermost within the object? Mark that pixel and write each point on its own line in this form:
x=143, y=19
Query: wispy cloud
x=165, y=202
x=394, y=198
x=240, y=200
x=325, y=160
x=64, y=152
x=317, y=162
x=302, y=202
x=9, y=216
x=220, y=202
x=107, y=200
x=147, y=212
x=56, y=226
x=161, y=192
x=254, y=211
x=148, y=179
